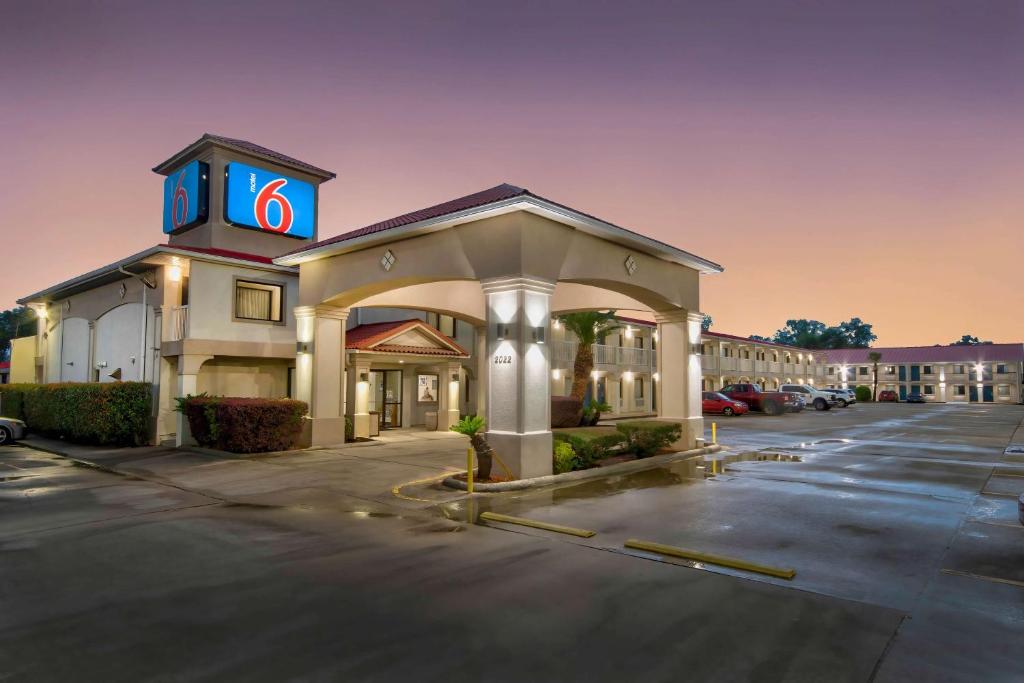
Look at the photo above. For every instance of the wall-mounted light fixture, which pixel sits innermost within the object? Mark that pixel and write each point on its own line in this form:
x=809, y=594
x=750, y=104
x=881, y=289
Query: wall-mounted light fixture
x=174, y=273
x=656, y=377
x=501, y=331
x=556, y=374
x=539, y=334
x=302, y=347
x=455, y=377
x=364, y=377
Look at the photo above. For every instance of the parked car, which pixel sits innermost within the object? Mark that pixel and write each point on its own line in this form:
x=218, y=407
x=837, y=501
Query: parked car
x=845, y=397
x=715, y=402
x=915, y=397
x=820, y=399
x=11, y=430
x=767, y=402
x=888, y=396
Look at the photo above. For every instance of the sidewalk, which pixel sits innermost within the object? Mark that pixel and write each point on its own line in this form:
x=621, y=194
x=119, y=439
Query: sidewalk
x=365, y=471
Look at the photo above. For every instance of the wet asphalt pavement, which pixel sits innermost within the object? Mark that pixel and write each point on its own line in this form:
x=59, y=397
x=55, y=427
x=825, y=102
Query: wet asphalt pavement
x=900, y=522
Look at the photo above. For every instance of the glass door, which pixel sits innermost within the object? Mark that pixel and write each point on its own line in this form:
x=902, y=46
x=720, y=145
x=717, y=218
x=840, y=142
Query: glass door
x=386, y=397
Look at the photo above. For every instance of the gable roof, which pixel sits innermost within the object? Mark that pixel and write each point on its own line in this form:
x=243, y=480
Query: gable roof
x=247, y=147
x=375, y=337
x=976, y=353
x=497, y=197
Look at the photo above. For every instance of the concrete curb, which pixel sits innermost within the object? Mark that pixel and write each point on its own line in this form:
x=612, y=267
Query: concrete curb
x=580, y=475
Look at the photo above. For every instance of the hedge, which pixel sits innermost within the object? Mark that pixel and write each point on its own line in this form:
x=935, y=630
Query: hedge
x=244, y=425
x=862, y=393
x=103, y=414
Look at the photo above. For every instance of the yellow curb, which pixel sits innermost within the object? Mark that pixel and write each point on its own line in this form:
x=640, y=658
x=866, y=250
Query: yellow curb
x=710, y=559
x=495, y=517
x=397, y=490
x=982, y=577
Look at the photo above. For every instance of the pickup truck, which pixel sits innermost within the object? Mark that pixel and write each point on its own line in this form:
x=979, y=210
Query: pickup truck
x=767, y=402
x=821, y=400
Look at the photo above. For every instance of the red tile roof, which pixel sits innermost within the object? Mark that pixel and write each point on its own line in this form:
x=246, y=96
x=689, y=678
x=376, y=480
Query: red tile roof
x=225, y=253
x=708, y=333
x=251, y=148
x=977, y=353
x=495, y=194
x=370, y=337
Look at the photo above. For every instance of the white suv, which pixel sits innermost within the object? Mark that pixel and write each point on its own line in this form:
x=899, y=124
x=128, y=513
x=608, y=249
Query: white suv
x=821, y=400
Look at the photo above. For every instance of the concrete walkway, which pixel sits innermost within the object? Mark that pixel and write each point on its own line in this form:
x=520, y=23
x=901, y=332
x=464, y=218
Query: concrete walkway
x=315, y=477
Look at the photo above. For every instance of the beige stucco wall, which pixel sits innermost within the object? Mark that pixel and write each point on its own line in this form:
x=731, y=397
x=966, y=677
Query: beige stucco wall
x=23, y=360
x=211, y=304
x=245, y=377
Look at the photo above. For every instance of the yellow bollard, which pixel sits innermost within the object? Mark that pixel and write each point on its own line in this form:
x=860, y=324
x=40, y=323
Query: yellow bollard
x=714, y=432
x=469, y=470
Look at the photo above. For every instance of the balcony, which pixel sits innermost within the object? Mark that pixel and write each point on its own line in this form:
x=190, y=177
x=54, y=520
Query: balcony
x=563, y=355
x=177, y=323
x=746, y=365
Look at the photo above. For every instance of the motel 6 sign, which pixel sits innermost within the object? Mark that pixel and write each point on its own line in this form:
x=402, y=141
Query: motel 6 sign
x=186, y=195
x=262, y=200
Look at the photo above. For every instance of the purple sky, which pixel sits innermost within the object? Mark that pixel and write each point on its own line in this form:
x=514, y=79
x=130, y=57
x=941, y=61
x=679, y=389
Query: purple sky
x=839, y=158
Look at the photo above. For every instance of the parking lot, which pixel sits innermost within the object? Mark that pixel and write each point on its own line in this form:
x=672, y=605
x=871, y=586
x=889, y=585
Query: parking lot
x=900, y=522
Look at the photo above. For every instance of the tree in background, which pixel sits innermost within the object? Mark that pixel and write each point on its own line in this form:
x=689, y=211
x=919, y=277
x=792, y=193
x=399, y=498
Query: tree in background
x=14, y=323
x=969, y=340
x=814, y=334
x=706, y=323
x=587, y=326
x=874, y=357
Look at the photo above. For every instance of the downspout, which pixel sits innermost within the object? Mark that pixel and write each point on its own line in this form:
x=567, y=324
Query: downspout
x=147, y=285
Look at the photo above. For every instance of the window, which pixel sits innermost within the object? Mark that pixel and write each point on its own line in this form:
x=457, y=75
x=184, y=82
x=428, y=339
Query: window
x=1000, y=370
x=958, y=369
x=960, y=389
x=890, y=369
x=258, y=301
x=726, y=352
x=746, y=355
x=927, y=369
x=862, y=370
x=638, y=387
x=831, y=371
x=1003, y=390
x=929, y=390
x=446, y=325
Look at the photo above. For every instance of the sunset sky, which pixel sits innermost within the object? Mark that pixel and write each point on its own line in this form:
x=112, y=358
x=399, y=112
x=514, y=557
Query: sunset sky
x=838, y=158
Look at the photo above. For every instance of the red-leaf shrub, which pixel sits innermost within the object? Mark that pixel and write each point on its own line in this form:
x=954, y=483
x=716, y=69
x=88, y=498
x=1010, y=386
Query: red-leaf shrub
x=565, y=411
x=244, y=425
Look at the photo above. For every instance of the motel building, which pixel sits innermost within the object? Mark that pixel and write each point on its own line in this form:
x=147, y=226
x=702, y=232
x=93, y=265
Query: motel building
x=406, y=323
x=982, y=373
x=727, y=359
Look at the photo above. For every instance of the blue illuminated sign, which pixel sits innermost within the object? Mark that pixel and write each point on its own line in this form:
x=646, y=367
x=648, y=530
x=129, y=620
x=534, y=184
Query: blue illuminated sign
x=254, y=198
x=186, y=194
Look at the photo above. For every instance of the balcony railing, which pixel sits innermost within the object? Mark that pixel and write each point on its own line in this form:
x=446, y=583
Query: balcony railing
x=563, y=354
x=178, y=323
x=639, y=403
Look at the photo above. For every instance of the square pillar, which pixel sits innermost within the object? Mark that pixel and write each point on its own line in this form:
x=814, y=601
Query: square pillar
x=448, y=400
x=188, y=382
x=480, y=356
x=358, y=409
x=518, y=371
x=679, y=370
x=320, y=371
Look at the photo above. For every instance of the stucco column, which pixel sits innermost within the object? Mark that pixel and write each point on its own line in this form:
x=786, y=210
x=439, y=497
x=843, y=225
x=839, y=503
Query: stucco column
x=320, y=370
x=480, y=353
x=188, y=381
x=448, y=399
x=518, y=373
x=359, y=386
x=679, y=369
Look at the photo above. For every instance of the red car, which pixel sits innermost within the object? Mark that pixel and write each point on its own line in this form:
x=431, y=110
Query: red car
x=715, y=402
x=888, y=395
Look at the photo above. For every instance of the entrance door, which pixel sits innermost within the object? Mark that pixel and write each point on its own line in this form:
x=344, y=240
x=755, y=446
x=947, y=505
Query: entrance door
x=986, y=394
x=903, y=392
x=974, y=393
x=386, y=397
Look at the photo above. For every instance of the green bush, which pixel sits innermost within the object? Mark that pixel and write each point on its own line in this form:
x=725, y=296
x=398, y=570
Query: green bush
x=350, y=429
x=588, y=450
x=244, y=425
x=862, y=393
x=103, y=414
x=564, y=457
x=645, y=439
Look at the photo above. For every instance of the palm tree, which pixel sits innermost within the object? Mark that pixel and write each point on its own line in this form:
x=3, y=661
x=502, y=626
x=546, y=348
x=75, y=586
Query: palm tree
x=874, y=357
x=472, y=426
x=587, y=326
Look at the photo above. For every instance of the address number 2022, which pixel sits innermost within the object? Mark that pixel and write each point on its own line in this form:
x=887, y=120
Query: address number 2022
x=503, y=359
